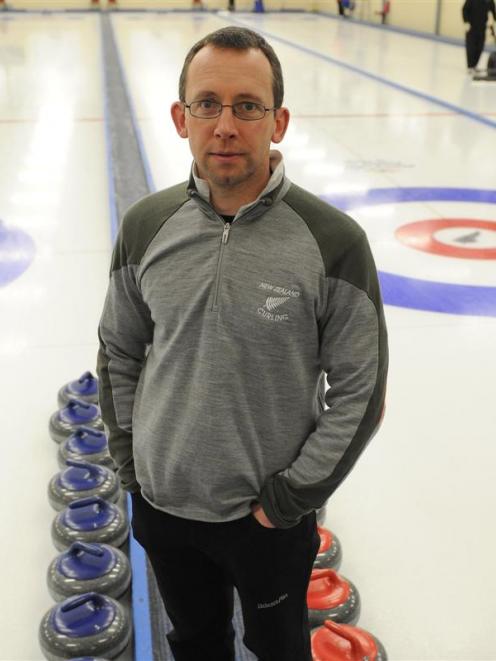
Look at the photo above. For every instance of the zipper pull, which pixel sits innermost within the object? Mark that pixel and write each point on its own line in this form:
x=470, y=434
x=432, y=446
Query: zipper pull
x=225, y=234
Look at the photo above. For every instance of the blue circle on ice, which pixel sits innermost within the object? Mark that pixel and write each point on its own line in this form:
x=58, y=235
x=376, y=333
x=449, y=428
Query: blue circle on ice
x=17, y=250
x=415, y=293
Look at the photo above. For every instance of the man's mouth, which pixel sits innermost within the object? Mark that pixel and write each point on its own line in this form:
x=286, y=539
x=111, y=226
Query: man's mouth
x=225, y=155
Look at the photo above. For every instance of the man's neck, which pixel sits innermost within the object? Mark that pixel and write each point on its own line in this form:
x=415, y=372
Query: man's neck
x=229, y=204
x=227, y=200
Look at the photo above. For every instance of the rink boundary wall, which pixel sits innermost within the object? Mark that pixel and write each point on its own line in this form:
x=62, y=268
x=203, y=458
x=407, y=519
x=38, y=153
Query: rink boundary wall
x=112, y=66
x=114, y=220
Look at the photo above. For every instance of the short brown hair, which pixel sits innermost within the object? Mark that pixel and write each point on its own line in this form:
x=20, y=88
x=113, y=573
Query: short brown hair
x=239, y=39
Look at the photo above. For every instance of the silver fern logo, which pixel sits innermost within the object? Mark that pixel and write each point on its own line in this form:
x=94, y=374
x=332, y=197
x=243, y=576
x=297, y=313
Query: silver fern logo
x=274, y=302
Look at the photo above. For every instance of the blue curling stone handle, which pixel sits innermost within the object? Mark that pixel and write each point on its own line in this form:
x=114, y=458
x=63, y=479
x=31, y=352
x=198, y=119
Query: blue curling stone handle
x=85, y=562
x=78, y=412
x=87, y=440
x=85, y=385
x=82, y=616
x=87, y=514
x=81, y=476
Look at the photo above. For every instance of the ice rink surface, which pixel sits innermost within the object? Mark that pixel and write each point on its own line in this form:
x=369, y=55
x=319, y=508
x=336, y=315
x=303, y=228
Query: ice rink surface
x=385, y=125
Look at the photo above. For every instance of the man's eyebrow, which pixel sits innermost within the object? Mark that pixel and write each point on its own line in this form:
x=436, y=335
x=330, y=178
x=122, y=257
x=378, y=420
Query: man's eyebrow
x=207, y=94
x=204, y=94
x=250, y=97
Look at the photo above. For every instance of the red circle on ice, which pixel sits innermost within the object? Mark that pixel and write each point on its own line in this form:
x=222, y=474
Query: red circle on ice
x=451, y=237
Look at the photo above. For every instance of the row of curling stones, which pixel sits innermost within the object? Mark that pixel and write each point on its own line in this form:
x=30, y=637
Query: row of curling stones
x=78, y=407
x=88, y=577
x=334, y=606
x=77, y=425
x=87, y=622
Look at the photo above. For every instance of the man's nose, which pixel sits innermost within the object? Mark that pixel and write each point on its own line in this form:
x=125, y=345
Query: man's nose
x=226, y=124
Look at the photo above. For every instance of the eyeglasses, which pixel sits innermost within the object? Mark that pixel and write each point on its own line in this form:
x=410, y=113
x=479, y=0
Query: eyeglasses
x=246, y=110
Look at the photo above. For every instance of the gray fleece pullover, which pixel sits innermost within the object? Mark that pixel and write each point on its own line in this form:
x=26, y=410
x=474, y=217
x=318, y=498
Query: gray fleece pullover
x=216, y=341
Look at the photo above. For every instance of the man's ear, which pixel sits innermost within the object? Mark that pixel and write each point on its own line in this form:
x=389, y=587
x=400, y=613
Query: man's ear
x=281, y=124
x=179, y=118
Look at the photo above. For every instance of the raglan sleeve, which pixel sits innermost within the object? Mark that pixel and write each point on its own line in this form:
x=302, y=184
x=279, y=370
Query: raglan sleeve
x=125, y=332
x=353, y=357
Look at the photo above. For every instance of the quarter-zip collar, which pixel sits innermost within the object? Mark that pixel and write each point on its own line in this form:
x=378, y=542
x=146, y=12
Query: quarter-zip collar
x=276, y=187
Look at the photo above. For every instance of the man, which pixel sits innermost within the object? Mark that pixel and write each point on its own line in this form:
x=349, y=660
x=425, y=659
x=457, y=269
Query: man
x=475, y=13
x=231, y=297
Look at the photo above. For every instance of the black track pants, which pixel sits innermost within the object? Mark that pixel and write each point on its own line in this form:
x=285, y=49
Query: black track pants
x=196, y=565
x=474, y=45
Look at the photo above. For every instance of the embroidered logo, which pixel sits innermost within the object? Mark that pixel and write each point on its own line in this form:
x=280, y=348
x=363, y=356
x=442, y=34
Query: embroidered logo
x=273, y=302
x=293, y=293
x=271, y=604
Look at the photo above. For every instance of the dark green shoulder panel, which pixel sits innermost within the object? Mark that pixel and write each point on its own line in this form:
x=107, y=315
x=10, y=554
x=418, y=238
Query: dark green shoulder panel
x=143, y=220
x=333, y=230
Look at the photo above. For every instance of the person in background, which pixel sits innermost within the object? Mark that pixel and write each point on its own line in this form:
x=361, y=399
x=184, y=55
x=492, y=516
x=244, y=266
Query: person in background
x=346, y=8
x=233, y=297
x=475, y=13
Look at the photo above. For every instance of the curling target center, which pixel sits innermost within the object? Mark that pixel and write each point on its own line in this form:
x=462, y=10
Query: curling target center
x=464, y=238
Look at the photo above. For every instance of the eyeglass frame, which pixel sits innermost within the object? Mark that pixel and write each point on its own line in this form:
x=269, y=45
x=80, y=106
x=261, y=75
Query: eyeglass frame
x=230, y=105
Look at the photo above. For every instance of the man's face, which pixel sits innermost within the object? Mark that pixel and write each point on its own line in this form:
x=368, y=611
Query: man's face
x=230, y=152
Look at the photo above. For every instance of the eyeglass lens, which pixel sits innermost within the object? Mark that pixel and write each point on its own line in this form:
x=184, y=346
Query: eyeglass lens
x=243, y=109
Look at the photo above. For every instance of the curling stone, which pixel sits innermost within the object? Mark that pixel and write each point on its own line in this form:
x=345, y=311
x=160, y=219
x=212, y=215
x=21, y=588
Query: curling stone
x=90, y=520
x=91, y=624
x=85, y=389
x=329, y=554
x=82, y=480
x=86, y=444
x=72, y=416
x=342, y=642
x=89, y=568
x=331, y=597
